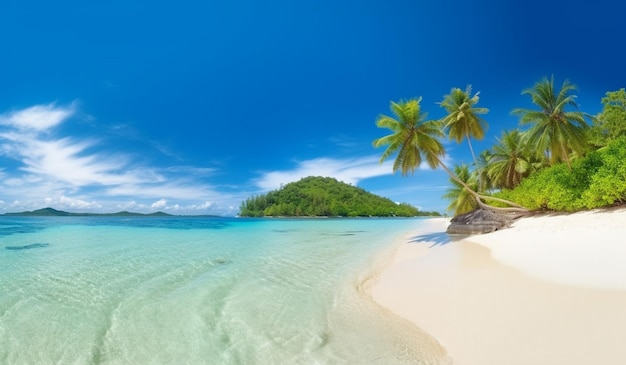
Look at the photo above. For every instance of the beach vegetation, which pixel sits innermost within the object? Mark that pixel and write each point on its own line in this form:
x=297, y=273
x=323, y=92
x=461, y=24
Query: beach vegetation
x=511, y=160
x=555, y=130
x=316, y=196
x=594, y=181
x=607, y=185
x=555, y=161
x=461, y=200
x=414, y=139
x=611, y=122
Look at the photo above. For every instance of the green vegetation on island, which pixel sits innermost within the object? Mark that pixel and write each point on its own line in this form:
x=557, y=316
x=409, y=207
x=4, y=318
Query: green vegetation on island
x=564, y=160
x=324, y=197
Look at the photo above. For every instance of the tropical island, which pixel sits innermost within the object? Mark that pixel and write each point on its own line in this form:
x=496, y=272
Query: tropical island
x=325, y=197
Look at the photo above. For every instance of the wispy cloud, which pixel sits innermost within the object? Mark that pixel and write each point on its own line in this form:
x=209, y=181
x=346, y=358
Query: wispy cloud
x=349, y=170
x=63, y=159
x=37, y=118
x=342, y=140
x=81, y=173
x=162, y=203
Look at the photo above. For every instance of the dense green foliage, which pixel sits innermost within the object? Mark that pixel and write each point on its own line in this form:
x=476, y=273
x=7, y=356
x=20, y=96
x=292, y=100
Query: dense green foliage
x=558, y=162
x=324, y=196
x=596, y=180
x=611, y=123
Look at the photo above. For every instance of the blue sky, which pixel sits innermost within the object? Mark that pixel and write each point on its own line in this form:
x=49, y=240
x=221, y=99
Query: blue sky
x=190, y=107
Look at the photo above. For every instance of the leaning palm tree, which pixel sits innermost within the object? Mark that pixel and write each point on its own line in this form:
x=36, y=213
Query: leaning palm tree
x=415, y=139
x=554, y=131
x=463, y=120
x=510, y=161
x=461, y=200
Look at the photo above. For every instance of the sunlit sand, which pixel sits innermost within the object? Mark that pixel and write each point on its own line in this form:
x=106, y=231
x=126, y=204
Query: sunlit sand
x=548, y=290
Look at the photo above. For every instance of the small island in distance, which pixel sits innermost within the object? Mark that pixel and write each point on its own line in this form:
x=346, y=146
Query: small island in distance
x=45, y=212
x=316, y=196
x=51, y=212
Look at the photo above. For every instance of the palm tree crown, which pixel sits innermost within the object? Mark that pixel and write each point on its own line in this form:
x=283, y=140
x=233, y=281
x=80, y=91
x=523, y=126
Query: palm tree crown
x=554, y=131
x=461, y=199
x=463, y=120
x=510, y=160
x=412, y=137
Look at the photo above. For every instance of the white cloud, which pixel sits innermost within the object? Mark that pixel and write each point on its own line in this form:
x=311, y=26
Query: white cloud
x=64, y=202
x=350, y=171
x=37, y=118
x=63, y=159
x=205, y=205
x=78, y=203
x=159, y=204
x=68, y=172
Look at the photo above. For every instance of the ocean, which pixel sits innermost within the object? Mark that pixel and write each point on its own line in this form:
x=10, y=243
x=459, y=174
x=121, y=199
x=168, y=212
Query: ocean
x=183, y=290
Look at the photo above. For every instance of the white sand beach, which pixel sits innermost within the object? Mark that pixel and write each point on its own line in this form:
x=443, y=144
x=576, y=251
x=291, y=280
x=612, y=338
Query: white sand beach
x=548, y=290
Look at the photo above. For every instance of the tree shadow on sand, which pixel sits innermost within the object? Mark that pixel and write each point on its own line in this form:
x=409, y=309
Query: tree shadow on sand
x=435, y=239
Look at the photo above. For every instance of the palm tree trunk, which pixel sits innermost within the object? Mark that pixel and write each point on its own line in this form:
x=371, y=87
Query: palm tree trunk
x=566, y=156
x=469, y=143
x=479, y=197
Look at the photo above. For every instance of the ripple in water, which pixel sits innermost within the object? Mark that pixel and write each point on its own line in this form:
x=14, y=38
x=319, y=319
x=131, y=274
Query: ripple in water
x=249, y=292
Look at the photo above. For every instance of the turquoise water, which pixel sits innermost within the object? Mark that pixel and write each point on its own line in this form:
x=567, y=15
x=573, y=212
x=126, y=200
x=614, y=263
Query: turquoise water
x=98, y=290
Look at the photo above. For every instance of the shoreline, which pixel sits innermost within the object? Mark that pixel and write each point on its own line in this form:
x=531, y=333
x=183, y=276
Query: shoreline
x=547, y=290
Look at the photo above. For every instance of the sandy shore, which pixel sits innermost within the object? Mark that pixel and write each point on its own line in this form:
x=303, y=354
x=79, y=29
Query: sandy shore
x=549, y=290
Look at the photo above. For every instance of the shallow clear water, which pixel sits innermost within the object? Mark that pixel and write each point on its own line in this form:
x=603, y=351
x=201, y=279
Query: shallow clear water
x=99, y=290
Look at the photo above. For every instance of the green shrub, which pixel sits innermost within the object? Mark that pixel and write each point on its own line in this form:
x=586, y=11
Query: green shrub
x=608, y=184
x=597, y=180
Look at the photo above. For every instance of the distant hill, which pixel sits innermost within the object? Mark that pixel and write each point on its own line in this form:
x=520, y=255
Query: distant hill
x=51, y=212
x=324, y=197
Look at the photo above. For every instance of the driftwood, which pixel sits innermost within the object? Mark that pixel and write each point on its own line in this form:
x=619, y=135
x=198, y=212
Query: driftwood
x=481, y=221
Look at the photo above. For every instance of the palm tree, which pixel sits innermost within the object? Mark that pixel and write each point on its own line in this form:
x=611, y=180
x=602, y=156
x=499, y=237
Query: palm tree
x=415, y=139
x=481, y=170
x=554, y=131
x=461, y=200
x=463, y=120
x=510, y=161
